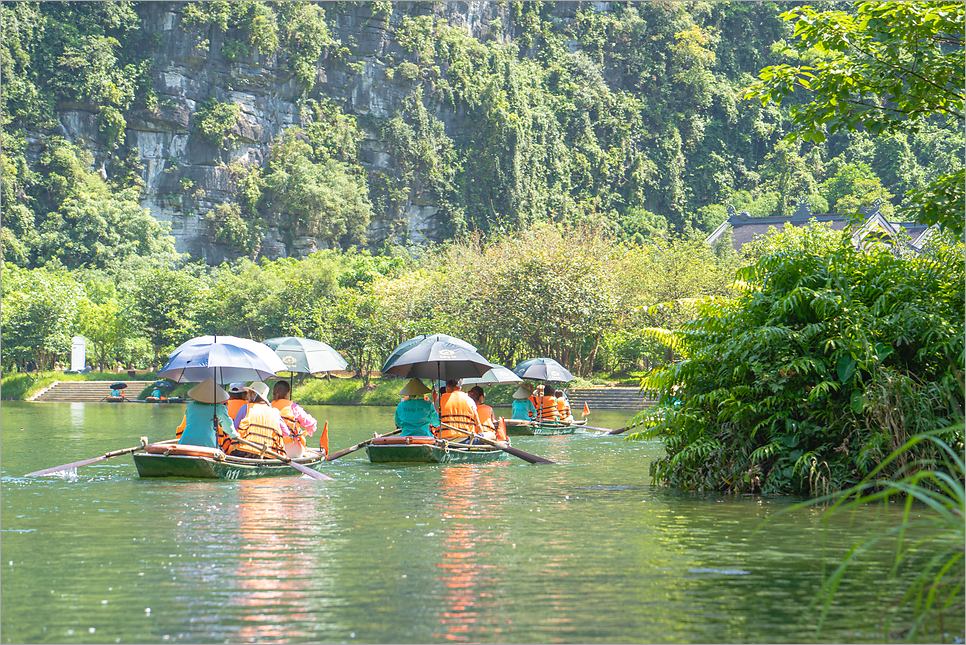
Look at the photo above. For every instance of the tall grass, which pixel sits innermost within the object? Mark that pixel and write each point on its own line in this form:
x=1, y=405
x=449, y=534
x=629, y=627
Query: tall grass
x=928, y=567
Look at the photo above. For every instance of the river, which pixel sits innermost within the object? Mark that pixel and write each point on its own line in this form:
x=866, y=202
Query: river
x=585, y=551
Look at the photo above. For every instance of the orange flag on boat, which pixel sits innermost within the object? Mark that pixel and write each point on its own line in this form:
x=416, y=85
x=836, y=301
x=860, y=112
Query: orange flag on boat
x=501, y=430
x=324, y=438
x=586, y=410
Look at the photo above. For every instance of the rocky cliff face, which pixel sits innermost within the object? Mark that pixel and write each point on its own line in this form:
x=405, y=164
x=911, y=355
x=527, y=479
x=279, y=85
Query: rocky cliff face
x=185, y=176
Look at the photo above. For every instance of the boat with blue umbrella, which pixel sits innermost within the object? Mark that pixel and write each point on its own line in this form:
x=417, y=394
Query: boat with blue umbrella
x=223, y=359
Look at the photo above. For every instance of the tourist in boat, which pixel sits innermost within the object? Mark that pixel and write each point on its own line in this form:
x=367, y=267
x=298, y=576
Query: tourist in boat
x=299, y=422
x=237, y=398
x=206, y=421
x=563, y=407
x=257, y=421
x=485, y=412
x=546, y=403
x=523, y=407
x=415, y=416
x=457, y=409
x=116, y=393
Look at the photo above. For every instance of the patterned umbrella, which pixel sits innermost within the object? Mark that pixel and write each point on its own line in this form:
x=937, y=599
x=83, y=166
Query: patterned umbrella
x=306, y=356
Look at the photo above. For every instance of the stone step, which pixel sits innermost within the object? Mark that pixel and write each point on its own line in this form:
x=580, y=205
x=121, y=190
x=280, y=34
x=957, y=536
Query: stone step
x=609, y=398
x=85, y=391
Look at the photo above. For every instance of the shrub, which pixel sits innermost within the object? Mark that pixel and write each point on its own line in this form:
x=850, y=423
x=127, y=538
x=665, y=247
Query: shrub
x=828, y=362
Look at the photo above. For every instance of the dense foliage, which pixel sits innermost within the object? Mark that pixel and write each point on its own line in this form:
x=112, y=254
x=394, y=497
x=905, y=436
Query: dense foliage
x=828, y=362
x=571, y=294
x=885, y=67
x=631, y=119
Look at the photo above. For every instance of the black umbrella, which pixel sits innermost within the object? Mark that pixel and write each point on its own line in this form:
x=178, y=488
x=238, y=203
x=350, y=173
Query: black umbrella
x=407, y=345
x=162, y=383
x=543, y=369
x=441, y=361
x=120, y=385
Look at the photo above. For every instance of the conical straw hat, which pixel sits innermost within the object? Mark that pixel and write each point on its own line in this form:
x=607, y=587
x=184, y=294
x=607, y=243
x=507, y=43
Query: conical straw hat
x=208, y=392
x=523, y=392
x=415, y=387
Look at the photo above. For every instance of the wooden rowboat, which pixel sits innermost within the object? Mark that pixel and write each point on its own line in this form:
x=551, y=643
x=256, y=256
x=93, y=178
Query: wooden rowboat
x=543, y=428
x=427, y=450
x=200, y=462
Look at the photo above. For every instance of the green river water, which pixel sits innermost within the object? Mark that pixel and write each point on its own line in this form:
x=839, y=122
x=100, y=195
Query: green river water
x=584, y=551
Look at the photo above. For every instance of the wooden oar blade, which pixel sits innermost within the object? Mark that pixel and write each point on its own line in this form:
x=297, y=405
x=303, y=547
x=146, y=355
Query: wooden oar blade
x=526, y=456
x=71, y=466
x=314, y=474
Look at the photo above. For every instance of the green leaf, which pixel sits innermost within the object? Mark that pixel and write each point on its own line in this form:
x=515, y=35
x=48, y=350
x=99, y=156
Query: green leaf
x=857, y=401
x=845, y=368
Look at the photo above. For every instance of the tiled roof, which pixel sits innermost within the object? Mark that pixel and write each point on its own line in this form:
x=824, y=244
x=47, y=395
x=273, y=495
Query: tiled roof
x=745, y=228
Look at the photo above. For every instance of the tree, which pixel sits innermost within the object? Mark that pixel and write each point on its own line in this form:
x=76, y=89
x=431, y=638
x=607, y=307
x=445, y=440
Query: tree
x=105, y=325
x=890, y=66
x=166, y=304
x=37, y=313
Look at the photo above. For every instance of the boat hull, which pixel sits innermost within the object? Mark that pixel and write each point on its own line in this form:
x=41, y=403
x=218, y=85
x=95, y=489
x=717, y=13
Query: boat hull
x=441, y=452
x=543, y=429
x=196, y=467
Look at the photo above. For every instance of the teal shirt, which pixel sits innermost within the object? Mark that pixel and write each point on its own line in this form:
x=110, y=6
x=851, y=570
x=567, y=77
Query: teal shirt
x=415, y=416
x=522, y=409
x=198, y=430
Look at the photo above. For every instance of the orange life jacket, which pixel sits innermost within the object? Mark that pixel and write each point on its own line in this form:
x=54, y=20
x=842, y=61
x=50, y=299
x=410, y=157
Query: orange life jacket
x=234, y=405
x=485, y=413
x=284, y=406
x=260, y=425
x=563, y=407
x=455, y=409
x=547, y=408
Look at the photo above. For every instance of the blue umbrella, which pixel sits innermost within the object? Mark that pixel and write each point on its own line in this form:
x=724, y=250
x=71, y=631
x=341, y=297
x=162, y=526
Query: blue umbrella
x=407, y=345
x=223, y=358
x=543, y=369
x=306, y=356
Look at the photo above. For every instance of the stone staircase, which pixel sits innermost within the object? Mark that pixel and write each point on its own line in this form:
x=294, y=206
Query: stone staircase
x=85, y=391
x=608, y=398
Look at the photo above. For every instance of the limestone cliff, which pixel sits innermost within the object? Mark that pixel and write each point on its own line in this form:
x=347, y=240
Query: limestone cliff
x=185, y=176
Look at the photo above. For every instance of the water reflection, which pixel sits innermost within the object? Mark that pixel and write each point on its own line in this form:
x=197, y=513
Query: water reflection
x=277, y=571
x=469, y=607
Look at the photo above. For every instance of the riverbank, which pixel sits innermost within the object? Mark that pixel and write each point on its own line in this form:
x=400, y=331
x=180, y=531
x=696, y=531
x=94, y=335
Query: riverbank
x=20, y=386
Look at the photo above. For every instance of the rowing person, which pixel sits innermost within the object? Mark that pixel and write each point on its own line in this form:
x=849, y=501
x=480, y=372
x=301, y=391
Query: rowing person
x=299, y=422
x=546, y=402
x=523, y=407
x=458, y=410
x=485, y=412
x=206, y=421
x=260, y=423
x=415, y=416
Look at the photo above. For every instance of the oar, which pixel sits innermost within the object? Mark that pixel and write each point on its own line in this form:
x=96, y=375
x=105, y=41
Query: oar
x=88, y=462
x=314, y=474
x=516, y=452
x=625, y=428
x=607, y=430
x=346, y=451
